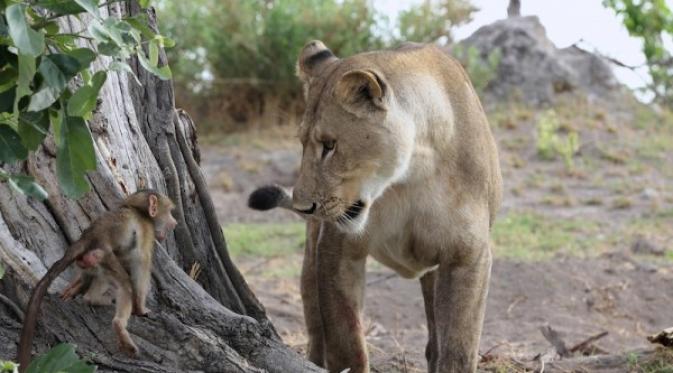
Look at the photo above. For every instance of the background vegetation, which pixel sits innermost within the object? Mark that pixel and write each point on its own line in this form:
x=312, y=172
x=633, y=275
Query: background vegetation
x=235, y=60
x=652, y=22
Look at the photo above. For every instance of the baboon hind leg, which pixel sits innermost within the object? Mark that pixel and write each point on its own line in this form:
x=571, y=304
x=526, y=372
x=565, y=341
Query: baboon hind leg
x=98, y=294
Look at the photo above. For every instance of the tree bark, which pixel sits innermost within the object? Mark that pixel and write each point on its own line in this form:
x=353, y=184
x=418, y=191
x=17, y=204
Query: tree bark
x=213, y=324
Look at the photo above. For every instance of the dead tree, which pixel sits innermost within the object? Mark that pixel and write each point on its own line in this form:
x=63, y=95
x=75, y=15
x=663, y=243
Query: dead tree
x=213, y=323
x=514, y=8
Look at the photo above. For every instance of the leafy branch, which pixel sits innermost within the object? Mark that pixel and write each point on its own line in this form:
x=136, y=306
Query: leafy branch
x=652, y=22
x=36, y=82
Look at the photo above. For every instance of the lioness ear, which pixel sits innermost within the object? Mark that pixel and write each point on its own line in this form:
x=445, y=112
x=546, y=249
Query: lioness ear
x=312, y=59
x=361, y=92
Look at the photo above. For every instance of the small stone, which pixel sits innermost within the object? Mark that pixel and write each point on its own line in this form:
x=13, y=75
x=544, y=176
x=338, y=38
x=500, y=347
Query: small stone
x=650, y=194
x=644, y=246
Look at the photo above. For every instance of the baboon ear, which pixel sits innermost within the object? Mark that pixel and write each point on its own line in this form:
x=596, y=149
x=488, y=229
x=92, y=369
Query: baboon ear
x=361, y=92
x=312, y=59
x=152, y=206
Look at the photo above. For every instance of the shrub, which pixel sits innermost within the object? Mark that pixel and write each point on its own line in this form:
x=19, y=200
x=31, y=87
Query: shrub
x=551, y=143
x=256, y=42
x=237, y=57
x=482, y=70
x=433, y=20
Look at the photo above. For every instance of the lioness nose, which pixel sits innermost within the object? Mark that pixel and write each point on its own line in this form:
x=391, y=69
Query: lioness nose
x=305, y=210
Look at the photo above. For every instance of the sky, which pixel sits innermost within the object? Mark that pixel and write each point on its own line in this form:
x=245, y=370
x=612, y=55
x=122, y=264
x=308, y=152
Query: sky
x=586, y=22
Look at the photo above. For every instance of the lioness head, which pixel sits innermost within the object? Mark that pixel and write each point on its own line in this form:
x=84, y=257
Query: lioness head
x=356, y=140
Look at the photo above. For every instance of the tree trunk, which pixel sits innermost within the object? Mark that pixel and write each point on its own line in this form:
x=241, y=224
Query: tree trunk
x=213, y=323
x=514, y=8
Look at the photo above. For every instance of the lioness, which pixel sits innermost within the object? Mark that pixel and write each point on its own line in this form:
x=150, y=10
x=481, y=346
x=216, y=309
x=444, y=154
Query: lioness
x=398, y=163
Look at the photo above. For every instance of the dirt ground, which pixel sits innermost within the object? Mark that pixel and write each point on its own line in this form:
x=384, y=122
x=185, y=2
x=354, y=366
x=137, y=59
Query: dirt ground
x=577, y=297
x=611, y=272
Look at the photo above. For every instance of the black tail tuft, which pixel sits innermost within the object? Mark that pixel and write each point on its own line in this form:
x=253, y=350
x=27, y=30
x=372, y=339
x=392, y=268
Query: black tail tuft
x=265, y=198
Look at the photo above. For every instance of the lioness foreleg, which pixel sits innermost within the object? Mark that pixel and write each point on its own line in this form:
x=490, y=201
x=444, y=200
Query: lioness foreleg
x=460, y=300
x=431, y=349
x=341, y=277
x=309, y=297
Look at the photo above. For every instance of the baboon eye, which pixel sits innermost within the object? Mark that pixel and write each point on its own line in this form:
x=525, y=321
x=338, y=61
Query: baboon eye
x=327, y=146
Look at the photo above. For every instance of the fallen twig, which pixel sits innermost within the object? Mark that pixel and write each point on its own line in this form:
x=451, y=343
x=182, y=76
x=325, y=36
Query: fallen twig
x=583, y=345
x=486, y=356
x=516, y=301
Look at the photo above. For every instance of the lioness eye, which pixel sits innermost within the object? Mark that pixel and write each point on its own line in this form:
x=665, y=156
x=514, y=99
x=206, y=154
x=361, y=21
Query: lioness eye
x=327, y=146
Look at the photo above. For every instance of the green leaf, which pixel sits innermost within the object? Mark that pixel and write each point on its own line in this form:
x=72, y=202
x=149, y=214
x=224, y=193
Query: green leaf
x=9, y=119
x=164, y=72
x=86, y=76
x=57, y=70
x=115, y=28
x=33, y=128
x=167, y=42
x=108, y=48
x=84, y=100
x=69, y=65
x=98, y=32
x=4, y=31
x=26, y=73
x=52, y=74
x=61, y=7
x=84, y=56
x=139, y=22
x=27, y=185
x=64, y=42
x=8, y=78
x=74, y=157
x=121, y=66
x=135, y=35
x=11, y=148
x=110, y=29
x=27, y=40
x=56, y=121
x=154, y=53
x=91, y=6
x=7, y=100
x=144, y=3
x=43, y=98
x=60, y=359
x=52, y=28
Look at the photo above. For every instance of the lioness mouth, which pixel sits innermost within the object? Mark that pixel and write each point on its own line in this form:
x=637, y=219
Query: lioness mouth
x=353, y=210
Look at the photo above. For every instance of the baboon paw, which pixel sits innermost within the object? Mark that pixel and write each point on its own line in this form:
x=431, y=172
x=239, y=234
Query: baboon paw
x=128, y=348
x=143, y=312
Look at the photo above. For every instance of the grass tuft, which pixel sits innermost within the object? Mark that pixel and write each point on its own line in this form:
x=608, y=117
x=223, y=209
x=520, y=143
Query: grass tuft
x=265, y=240
x=531, y=236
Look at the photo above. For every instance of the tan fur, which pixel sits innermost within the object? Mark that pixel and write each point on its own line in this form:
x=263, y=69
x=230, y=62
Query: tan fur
x=126, y=238
x=413, y=144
